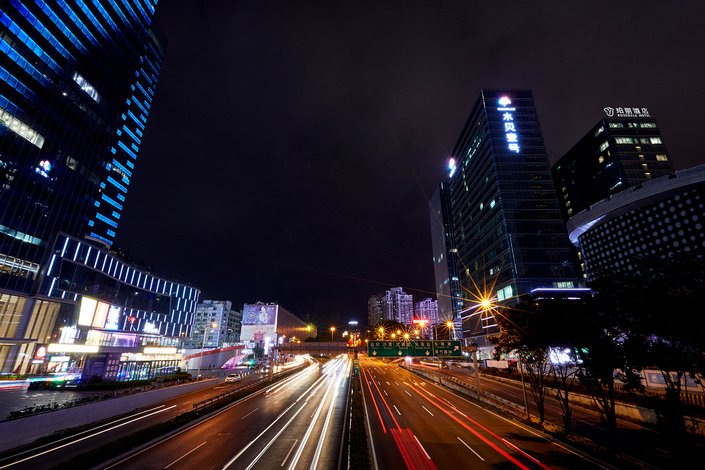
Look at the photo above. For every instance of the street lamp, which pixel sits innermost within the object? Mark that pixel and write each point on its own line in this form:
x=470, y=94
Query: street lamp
x=213, y=326
x=332, y=330
x=380, y=330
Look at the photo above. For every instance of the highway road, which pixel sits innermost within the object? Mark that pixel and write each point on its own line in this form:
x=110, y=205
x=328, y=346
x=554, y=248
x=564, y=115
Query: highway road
x=640, y=442
x=418, y=425
x=62, y=450
x=296, y=423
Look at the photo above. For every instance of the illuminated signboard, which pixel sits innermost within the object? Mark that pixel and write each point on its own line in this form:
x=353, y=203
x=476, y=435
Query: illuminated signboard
x=452, y=166
x=510, y=131
x=111, y=323
x=626, y=112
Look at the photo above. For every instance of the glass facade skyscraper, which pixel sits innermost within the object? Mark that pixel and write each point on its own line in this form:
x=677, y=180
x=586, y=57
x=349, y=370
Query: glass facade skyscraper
x=76, y=85
x=77, y=80
x=508, y=235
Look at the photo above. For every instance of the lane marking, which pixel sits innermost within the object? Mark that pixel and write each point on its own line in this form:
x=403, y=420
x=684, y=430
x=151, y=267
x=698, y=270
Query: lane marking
x=471, y=449
x=187, y=453
x=287, y=455
x=385, y=393
x=397, y=409
x=86, y=437
x=424, y=450
x=408, y=393
x=426, y=410
x=248, y=414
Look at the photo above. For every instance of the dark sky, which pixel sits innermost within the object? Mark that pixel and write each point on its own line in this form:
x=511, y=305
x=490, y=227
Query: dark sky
x=293, y=145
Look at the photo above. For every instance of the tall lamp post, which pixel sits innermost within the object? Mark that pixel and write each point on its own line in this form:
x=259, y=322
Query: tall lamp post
x=332, y=331
x=212, y=326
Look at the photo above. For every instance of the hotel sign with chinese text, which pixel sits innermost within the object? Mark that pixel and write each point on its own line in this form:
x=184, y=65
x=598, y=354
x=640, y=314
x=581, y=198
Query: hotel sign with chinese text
x=414, y=348
x=626, y=112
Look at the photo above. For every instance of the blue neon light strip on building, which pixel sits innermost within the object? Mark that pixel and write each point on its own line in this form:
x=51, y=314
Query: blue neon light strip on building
x=27, y=41
x=42, y=29
x=111, y=201
x=116, y=184
x=119, y=165
x=93, y=19
x=129, y=152
x=24, y=64
x=20, y=87
x=77, y=21
x=62, y=26
x=103, y=218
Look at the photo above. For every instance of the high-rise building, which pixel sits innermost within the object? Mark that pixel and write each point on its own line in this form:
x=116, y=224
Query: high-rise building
x=375, y=311
x=77, y=82
x=445, y=260
x=215, y=324
x=427, y=309
x=508, y=233
x=624, y=149
x=398, y=305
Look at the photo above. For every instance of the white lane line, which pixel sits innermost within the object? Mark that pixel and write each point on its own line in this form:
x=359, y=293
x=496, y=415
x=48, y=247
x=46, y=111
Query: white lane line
x=195, y=448
x=424, y=450
x=407, y=393
x=248, y=414
x=288, y=454
x=471, y=449
x=426, y=410
x=389, y=384
x=231, y=461
x=395, y=407
x=385, y=393
x=86, y=437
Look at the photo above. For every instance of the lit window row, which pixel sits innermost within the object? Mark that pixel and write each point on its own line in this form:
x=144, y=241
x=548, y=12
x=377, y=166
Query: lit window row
x=21, y=129
x=29, y=16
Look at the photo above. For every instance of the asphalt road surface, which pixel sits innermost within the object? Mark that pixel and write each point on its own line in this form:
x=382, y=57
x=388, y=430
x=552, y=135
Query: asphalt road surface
x=295, y=423
x=418, y=425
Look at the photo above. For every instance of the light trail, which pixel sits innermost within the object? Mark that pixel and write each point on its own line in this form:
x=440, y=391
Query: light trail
x=309, y=430
x=345, y=371
x=231, y=461
x=87, y=437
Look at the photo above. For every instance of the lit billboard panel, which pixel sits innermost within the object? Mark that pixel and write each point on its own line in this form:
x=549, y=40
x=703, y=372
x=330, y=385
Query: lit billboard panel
x=259, y=322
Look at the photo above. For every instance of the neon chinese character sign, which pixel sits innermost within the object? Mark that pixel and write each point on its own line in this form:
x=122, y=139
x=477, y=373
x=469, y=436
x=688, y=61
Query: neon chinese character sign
x=510, y=131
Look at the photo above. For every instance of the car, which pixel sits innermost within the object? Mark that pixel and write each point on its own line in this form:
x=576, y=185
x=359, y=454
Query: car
x=233, y=378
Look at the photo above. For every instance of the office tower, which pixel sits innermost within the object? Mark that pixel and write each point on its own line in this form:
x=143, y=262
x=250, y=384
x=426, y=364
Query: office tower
x=508, y=233
x=76, y=85
x=445, y=260
x=398, y=305
x=624, y=149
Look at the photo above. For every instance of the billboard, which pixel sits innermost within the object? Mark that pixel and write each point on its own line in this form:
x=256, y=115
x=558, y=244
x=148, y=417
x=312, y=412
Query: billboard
x=259, y=322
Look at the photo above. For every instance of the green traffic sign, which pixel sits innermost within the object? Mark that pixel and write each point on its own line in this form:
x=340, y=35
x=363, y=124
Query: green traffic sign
x=414, y=348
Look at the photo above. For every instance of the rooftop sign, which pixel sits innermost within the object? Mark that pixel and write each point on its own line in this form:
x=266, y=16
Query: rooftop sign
x=625, y=112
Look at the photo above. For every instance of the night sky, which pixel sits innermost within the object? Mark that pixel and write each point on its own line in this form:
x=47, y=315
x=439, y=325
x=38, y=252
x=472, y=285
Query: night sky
x=293, y=146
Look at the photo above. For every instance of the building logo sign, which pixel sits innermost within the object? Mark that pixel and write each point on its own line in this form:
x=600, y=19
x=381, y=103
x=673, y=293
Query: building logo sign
x=510, y=131
x=626, y=112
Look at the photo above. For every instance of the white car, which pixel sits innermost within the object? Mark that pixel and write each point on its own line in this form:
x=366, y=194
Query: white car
x=232, y=378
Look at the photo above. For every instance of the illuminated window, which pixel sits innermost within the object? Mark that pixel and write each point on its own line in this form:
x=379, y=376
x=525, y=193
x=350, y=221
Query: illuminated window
x=600, y=159
x=661, y=157
x=624, y=140
x=599, y=131
x=616, y=125
x=20, y=128
x=647, y=125
x=86, y=87
x=656, y=140
x=603, y=146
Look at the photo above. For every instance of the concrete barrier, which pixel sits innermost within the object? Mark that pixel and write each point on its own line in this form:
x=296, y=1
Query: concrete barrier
x=18, y=432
